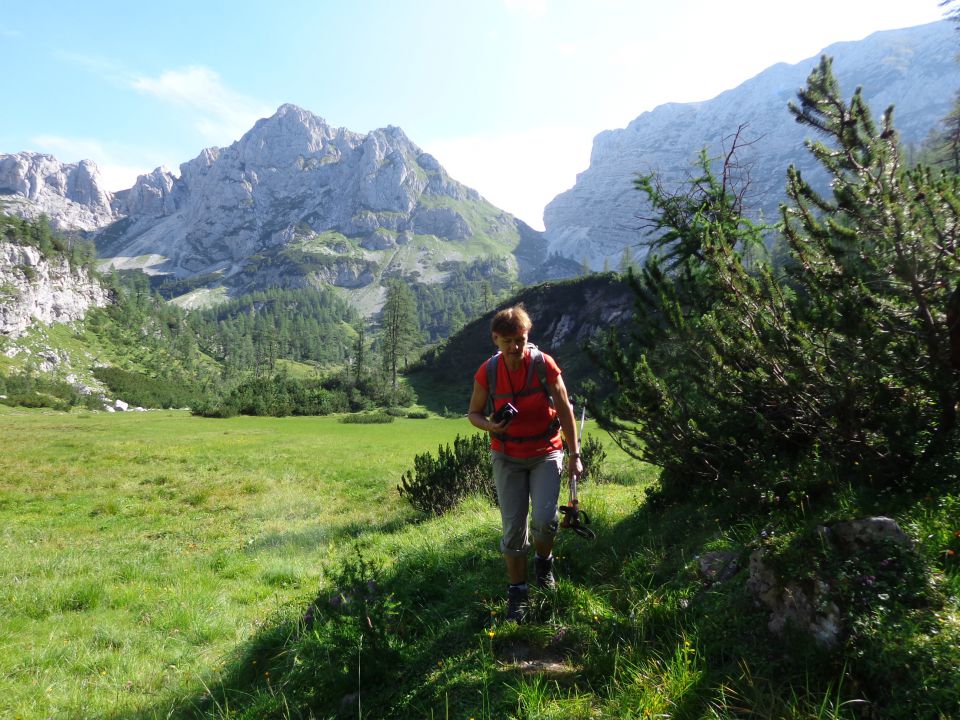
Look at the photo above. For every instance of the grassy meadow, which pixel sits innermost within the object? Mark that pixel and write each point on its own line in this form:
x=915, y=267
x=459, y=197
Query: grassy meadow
x=158, y=565
x=141, y=550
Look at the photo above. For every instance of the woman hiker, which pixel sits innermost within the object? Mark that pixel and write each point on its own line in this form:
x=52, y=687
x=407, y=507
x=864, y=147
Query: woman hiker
x=527, y=449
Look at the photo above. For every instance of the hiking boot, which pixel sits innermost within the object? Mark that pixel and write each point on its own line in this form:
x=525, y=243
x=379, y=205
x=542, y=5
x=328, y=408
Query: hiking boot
x=544, y=572
x=517, y=603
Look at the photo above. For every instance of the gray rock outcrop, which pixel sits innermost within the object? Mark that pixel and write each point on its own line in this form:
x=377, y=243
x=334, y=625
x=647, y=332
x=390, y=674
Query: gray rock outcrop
x=804, y=605
x=913, y=69
x=35, y=289
x=70, y=195
x=293, y=202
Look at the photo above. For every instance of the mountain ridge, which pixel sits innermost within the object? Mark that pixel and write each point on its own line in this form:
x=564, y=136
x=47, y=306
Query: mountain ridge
x=306, y=203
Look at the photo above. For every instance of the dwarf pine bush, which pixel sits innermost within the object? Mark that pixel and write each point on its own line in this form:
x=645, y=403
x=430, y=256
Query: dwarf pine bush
x=843, y=355
x=437, y=484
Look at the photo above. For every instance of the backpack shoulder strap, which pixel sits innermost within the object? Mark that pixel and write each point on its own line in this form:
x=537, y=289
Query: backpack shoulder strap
x=492, y=363
x=538, y=365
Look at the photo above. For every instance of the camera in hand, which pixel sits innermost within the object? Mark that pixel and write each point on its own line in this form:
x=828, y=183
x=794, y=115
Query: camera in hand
x=507, y=412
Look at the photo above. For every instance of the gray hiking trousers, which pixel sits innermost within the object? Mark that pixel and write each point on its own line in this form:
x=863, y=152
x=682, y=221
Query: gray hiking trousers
x=527, y=485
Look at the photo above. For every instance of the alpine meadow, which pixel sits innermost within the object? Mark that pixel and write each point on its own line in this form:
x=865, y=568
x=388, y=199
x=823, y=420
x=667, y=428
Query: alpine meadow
x=238, y=481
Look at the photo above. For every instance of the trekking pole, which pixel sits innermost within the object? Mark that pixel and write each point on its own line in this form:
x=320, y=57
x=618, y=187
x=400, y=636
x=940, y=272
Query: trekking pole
x=573, y=478
x=573, y=517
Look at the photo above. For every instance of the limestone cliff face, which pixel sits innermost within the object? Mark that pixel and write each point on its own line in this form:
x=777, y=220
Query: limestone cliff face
x=305, y=202
x=69, y=194
x=913, y=69
x=293, y=202
x=34, y=289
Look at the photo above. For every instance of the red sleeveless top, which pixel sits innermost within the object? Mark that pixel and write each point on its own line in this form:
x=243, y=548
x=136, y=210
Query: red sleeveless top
x=535, y=412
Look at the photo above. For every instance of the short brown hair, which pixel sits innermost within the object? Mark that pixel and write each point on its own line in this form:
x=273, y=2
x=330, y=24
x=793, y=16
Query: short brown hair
x=511, y=321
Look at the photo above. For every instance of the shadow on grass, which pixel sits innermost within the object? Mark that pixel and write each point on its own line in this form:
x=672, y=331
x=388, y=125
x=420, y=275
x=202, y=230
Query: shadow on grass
x=320, y=534
x=439, y=604
x=631, y=617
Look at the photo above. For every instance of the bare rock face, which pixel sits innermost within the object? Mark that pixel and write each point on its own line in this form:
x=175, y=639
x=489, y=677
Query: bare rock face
x=913, y=69
x=291, y=179
x=152, y=196
x=69, y=194
x=34, y=289
x=263, y=210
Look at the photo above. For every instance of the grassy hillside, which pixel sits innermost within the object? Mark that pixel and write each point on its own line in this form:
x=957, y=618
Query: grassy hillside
x=443, y=378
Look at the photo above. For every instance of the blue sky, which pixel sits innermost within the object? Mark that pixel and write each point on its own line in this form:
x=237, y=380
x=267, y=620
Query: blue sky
x=507, y=94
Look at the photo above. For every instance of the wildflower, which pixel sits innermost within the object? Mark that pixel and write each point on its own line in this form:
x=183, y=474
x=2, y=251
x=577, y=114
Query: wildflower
x=491, y=633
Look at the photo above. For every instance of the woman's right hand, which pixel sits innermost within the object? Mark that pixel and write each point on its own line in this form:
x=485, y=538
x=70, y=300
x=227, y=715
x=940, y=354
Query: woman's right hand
x=497, y=427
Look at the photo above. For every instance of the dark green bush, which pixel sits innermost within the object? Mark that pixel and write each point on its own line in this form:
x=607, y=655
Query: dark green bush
x=214, y=408
x=138, y=389
x=35, y=400
x=350, y=633
x=418, y=415
x=276, y=396
x=26, y=390
x=592, y=455
x=436, y=485
x=368, y=419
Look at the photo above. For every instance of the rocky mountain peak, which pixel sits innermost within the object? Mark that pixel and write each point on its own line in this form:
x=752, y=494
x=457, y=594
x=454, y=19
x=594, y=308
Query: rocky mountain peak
x=296, y=201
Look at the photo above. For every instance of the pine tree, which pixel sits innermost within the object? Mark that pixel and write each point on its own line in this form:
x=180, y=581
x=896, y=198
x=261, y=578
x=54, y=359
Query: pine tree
x=360, y=355
x=399, y=327
x=733, y=377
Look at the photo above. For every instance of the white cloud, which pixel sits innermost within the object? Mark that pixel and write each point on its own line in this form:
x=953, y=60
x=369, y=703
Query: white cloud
x=518, y=172
x=222, y=114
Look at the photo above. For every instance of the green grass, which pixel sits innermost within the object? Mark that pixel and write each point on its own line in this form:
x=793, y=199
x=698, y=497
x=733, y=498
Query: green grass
x=159, y=565
x=141, y=549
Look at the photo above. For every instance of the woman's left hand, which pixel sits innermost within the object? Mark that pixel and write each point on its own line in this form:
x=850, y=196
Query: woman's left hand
x=574, y=468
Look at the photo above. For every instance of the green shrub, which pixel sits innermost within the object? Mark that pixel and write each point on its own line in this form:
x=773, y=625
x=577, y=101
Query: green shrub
x=35, y=400
x=744, y=369
x=436, y=485
x=276, y=396
x=368, y=419
x=351, y=633
x=26, y=390
x=138, y=389
x=214, y=408
x=418, y=414
x=592, y=455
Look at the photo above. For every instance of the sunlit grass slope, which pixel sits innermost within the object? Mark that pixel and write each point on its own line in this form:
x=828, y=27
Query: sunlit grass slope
x=140, y=549
x=157, y=565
